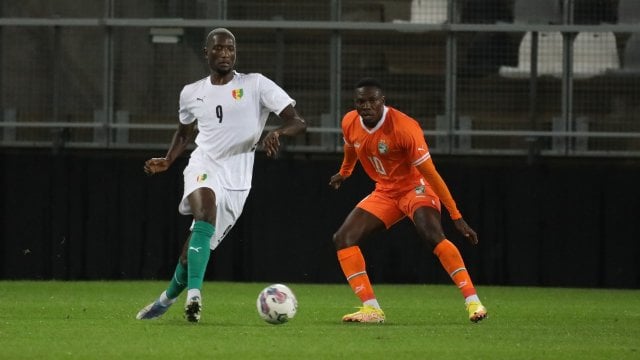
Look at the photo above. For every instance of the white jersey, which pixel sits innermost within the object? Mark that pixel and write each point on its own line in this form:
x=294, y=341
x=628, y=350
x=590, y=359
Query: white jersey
x=231, y=119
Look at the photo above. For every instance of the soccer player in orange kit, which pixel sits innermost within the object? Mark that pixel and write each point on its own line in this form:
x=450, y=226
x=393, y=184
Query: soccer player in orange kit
x=392, y=150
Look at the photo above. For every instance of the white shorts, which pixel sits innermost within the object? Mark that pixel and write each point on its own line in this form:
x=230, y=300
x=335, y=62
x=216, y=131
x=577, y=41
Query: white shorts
x=229, y=203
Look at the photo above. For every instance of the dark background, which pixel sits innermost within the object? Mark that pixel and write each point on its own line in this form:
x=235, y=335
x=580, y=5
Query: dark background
x=95, y=215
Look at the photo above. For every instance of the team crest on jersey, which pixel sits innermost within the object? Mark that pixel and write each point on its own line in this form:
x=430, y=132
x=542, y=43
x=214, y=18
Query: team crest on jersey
x=237, y=93
x=201, y=178
x=383, y=148
x=420, y=190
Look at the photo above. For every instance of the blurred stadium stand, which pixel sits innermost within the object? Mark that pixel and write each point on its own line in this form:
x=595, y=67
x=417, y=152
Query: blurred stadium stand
x=629, y=13
x=537, y=11
x=92, y=75
x=89, y=90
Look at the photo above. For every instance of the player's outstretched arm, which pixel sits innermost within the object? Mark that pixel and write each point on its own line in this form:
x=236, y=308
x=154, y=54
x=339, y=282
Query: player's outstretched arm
x=428, y=170
x=348, y=163
x=181, y=139
x=293, y=125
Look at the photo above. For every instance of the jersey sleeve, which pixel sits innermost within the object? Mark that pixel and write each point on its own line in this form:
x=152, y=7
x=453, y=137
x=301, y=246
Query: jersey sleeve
x=184, y=114
x=346, y=130
x=414, y=143
x=348, y=161
x=428, y=170
x=272, y=96
x=350, y=157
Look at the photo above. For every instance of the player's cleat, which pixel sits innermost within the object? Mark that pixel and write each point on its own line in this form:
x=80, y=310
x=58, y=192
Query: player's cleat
x=365, y=314
x=152, y=311
x=476, y=311
x=192, y=309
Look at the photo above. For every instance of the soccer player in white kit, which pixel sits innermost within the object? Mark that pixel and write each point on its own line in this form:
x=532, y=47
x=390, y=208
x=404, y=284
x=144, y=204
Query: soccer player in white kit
x=230, y=110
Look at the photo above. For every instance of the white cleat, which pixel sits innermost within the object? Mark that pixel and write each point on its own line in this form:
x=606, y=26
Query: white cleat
x=192, y=309
x=152, y=311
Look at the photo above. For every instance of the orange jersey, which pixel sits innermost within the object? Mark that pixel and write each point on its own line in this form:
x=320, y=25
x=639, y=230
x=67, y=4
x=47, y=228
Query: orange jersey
x=390, y=152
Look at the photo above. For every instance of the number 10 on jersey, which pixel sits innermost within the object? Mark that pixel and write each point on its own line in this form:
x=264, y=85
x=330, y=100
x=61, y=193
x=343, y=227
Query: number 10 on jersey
x=377, y=164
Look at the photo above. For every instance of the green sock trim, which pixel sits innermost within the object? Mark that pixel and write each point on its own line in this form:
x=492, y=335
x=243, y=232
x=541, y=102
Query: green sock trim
x=198, y=253
x=178, y=282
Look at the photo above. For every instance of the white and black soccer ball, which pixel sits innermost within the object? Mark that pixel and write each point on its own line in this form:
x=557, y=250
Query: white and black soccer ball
x=277, y=304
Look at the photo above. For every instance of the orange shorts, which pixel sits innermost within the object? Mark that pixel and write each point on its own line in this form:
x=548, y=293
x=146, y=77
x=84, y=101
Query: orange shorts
x=391, y=209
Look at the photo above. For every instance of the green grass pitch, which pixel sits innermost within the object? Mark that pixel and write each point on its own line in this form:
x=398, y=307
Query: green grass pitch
x=96, y=320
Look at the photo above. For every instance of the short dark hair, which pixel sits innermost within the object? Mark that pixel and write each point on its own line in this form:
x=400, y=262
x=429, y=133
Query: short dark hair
x=219, y=31
x=369, y=82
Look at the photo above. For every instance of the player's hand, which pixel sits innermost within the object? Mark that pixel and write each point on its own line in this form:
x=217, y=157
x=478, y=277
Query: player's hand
x=156, y=165
x=271, y=143
x=336, y=181
x=466, y=230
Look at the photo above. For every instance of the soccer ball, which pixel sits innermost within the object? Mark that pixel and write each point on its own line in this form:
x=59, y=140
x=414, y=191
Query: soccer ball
x=277, y=304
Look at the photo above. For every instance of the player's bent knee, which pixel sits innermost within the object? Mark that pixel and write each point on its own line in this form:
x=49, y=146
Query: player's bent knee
x=341, y=241
x=205, y=216
x=433, y=239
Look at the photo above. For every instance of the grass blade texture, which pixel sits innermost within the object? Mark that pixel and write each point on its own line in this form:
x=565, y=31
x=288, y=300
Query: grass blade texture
x=96, y=320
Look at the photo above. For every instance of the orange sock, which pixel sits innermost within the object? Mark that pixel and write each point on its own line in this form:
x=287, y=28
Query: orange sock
x=354, y=269
x=451, y=260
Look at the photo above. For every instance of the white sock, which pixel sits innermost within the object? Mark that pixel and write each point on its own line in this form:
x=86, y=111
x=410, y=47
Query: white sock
x=193, y=292
x=471, y=298
x=164, y=300
x=372, y=302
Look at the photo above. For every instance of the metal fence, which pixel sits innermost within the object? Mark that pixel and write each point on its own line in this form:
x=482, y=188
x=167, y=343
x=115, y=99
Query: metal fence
x=552, y=77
